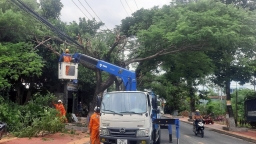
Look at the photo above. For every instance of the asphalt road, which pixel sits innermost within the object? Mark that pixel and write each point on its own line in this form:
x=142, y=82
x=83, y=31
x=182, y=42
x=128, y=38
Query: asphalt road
x=188, y=137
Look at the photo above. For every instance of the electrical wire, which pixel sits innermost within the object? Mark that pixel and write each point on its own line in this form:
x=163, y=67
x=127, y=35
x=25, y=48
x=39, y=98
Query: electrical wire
x=85, y=8
x=24, y=7
x=94, y=12
x=136, y=4
x=128, y=6
x=79, y=9
x=124, y=7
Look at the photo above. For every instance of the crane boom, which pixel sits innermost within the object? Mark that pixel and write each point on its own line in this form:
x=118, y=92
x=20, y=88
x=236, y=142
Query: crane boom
x=128, y=77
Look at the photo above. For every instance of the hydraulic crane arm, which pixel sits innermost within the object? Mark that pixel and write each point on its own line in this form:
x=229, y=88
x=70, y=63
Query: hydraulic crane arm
x=128, y=77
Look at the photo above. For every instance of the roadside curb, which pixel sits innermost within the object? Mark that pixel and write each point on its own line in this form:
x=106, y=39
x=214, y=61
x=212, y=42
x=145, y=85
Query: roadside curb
x=234, y=135
x=7, y=139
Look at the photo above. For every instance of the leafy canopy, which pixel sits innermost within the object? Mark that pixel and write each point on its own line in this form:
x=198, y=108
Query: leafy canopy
x=18, y=60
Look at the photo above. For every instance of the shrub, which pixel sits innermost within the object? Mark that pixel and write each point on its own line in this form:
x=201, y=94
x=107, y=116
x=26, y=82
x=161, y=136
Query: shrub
x=33, y=118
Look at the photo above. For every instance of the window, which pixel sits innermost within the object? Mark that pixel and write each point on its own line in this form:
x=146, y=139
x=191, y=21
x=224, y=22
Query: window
x=124, y=102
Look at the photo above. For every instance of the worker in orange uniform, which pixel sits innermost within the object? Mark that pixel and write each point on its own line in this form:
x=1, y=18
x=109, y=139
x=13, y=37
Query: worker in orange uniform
x=94, y=126
x=62, y=112
x=66, y=57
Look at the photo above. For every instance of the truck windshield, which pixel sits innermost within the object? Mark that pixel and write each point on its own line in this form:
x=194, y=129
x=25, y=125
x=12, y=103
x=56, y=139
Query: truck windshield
x=124, y=102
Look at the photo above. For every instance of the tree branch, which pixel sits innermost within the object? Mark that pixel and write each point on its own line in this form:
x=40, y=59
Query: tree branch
x=169, y=50
x=41, y=42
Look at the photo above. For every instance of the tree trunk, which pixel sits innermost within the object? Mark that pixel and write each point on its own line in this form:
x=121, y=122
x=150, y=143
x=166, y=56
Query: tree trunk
x=28, y=96
x=96, y=93
x=231, y=120
x=29, y=92
x=17, y=99
x=192, y=97
x=65, y=95
x=20, y=92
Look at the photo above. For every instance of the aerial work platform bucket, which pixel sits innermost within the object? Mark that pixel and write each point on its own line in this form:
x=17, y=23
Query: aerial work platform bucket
x=68, y=70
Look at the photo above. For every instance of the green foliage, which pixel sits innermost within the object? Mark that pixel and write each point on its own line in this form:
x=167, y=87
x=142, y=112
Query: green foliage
x=31, y=119
x=15, y=25
x=174, y=94
x=215, y=107
x=242, y=94
x=224, y=33
x=83, y=28
x=51, y=9
x=18, y=60
x=10, y=113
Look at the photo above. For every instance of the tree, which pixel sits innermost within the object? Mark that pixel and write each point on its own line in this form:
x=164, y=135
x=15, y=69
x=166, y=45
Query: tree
x=189, y=66
x=19, y=64
x=18, y=43
x=51, y=8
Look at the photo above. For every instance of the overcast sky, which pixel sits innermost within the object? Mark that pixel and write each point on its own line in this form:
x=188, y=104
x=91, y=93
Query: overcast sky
x=110, y=12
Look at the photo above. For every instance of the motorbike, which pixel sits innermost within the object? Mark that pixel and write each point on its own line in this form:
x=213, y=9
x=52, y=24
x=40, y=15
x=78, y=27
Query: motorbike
x=200, y=128
x=3, y=129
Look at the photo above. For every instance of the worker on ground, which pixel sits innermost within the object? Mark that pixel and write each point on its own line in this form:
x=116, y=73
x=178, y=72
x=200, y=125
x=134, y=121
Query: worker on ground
x=62, y=112
x=66, y=57
x=197, y=118
x=94, y=126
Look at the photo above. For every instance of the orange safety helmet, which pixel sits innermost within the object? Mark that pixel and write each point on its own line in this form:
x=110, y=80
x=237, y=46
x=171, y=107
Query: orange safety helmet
x=67, y=50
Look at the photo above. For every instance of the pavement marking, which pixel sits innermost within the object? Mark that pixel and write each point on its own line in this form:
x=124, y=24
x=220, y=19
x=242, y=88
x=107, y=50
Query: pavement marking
x=200, y=143
x=186, y=136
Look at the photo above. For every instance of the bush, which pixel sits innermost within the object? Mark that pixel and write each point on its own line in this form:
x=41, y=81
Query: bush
x=10, y=114
x=32, y=118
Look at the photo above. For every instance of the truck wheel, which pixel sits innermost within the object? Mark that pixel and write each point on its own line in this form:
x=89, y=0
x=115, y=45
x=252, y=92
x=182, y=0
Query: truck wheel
x=159, y=137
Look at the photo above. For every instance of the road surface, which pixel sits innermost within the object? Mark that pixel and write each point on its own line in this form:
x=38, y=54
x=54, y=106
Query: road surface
x=188, y=137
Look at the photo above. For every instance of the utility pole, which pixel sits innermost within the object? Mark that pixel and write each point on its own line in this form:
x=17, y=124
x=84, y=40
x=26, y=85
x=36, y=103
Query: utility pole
x=254, y=83
x=236, y=106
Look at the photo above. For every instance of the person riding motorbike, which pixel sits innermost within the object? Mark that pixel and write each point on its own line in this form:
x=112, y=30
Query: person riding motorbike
x=197, y=118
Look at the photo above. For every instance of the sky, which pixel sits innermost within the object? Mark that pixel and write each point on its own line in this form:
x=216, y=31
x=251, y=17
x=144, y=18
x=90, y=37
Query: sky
x=110, y=12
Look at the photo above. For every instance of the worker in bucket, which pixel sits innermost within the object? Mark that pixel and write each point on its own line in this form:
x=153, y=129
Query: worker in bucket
x=94, y=126
x=61, y=109
x=66, y=57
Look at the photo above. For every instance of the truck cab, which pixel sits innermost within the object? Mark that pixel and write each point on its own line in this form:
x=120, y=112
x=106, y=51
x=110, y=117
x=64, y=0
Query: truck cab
x=127, y=118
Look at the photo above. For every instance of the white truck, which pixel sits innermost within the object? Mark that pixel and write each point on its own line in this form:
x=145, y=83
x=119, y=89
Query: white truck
x=127, y=118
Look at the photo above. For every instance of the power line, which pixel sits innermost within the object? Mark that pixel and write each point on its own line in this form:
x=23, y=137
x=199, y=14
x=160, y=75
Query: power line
x=124, y=8
x=24, y=7
x=85, y=8
x=128, y=6
x=94, y=12
x=79, y=9
x=136, y=4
